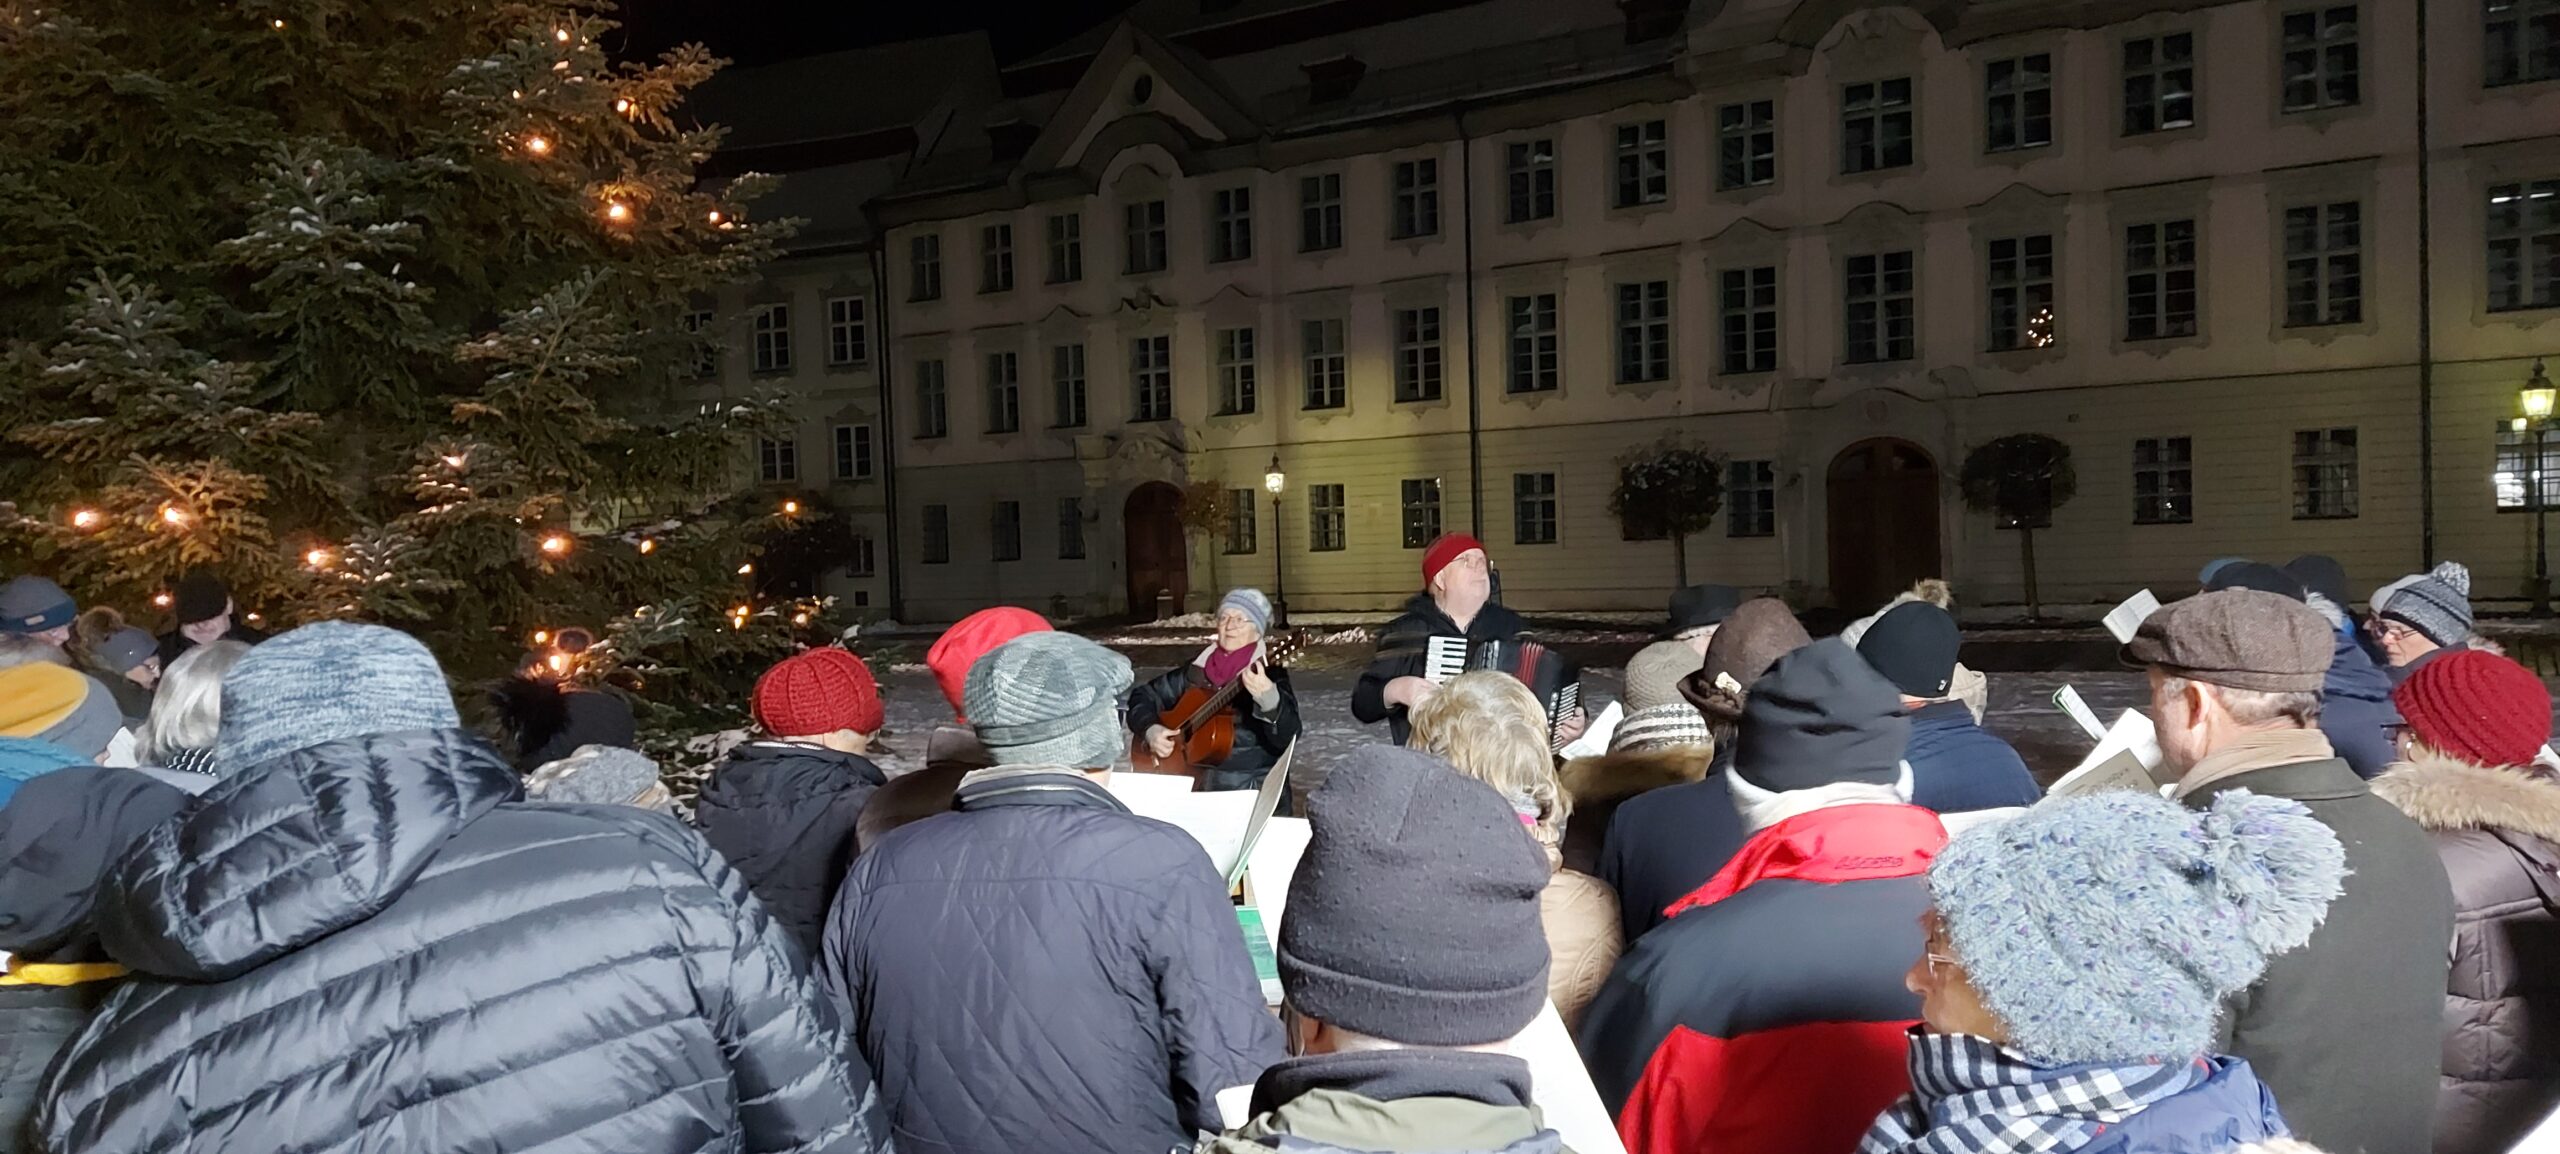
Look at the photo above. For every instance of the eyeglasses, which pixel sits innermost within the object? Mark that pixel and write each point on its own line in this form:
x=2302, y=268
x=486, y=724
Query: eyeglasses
x=1934, y=950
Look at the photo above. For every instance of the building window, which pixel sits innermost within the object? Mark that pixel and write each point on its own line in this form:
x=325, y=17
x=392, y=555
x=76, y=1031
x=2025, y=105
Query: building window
x=1535, y=365
x=1151, y=378
x=706, y=351
x=1231, y=224
x=924, y=267
x=1747, y=144
x=2524, y=242
x=1070, y=529
x=1322, y=341
x=1875, y=125
x=2164, y=481
x=1417, y=198
x=1421, y=512
x=2518, y=485
x=1004, y=393
x=864, y=560
x=937, y=534
x=1749, y=309
x=2320, y=64
x=995, y=258
x=1242, y=534
x=1145, y=237
x=1533, y=508
x=2522, y=43
x=2017, y=99
x=773, y=338
x=1235, y=372
x=1324, y=519
x=1879, y=299
x=1531, y=167
x=1066, y=386
x=853, y=452
x=1004, y=529
x=2160, y=280
x=2324, y=474
x=847, y=342
x=1417, y=354
x=2323, y=264
x=933, y=401
x=2159, y=83
x=780, y=459
x=1644, y=163
x=2019, y=272
x=1644, y=331
x=1751, y=499
x=1066, y=247
x=1320, y=212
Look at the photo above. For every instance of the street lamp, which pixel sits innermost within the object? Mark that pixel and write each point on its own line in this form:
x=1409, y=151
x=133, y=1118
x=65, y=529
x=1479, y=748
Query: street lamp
x=1276, y=481
x=2538, y=397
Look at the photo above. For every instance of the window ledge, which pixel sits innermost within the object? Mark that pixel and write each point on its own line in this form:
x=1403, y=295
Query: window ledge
x=770, y=374
x=2161, y=346
x=1641, y=210
x=2322, y=118
x=1749, y=193
x=2019, y=360
x=2324, y=334
x=1750, y=382
x=2324, y=516
x=849, y=366
x=2022, y=155
x=2158, y=137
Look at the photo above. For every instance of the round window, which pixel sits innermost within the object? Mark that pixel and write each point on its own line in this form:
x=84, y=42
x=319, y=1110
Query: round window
x=1142, y=89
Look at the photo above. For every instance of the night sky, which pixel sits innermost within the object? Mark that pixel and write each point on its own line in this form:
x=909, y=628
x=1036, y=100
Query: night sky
x=763, y=31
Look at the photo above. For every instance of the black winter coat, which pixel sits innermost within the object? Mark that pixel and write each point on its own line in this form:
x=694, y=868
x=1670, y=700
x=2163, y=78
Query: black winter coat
x=785, y=815
x=1042, y=970
x=1260, y=738
x=364, y=945
x=1664, y=843
x=1403, y=651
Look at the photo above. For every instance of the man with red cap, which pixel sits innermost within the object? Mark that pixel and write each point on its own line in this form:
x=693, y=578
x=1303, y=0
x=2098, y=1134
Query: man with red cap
x=783, y=808
x=1456, y=602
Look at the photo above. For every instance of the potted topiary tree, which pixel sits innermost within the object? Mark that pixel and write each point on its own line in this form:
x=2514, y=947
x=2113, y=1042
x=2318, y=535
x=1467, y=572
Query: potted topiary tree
x=2020, y=480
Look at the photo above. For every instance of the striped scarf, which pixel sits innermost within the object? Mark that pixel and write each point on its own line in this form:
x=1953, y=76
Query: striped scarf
x=198, y=759
x=1971, y=1095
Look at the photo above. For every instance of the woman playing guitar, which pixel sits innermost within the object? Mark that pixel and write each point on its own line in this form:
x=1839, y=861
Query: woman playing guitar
x=1263, y=712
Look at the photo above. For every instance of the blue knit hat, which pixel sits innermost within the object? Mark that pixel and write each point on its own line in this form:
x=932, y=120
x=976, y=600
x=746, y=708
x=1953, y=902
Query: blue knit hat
x=327, y=682
x=1252, y=604
x=31, y=604
x=2108, y=928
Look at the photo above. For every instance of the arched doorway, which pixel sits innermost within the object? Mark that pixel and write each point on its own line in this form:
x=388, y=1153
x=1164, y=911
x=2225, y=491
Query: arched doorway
x=1158, y=562
x=1883, y=500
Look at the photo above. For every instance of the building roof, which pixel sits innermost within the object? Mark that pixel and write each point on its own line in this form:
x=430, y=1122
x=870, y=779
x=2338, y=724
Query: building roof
x=840, y=94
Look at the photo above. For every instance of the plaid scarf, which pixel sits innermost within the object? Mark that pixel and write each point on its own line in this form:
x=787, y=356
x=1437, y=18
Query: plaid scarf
x=1970, y=1095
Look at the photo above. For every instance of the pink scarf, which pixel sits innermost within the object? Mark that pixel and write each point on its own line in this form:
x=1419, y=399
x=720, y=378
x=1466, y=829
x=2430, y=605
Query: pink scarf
x=1225, y=665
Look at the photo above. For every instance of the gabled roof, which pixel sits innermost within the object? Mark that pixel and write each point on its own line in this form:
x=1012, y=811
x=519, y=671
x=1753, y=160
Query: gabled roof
x=1200, y=103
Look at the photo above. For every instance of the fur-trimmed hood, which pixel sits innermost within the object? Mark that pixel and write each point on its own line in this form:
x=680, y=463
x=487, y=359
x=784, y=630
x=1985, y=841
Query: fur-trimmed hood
x=2442, y=793
x=1619, y=776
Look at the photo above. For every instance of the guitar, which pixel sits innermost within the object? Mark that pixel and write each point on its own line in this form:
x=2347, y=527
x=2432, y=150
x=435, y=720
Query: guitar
x=1204, y=731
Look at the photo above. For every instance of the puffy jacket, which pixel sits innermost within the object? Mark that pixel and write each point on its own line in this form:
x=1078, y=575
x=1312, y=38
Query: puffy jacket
x=368, y=945
x=784, y=815
x=1392, y=1102
x=1769, y=1013
x=2229, y=1109
x=1666, y=843
x=2355, y=705
x=2498, y=833
x=1404, y=651
x=1043, y=970
x=1260, y=737
x=1959, y=767
x=1581, y=920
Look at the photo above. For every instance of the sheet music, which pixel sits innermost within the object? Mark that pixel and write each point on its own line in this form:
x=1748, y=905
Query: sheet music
x=2124, y=619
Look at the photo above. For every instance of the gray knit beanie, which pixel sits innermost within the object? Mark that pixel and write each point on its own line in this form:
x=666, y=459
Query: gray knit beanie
x=1654, y=673
x=327, y=682
x=32, y=604
x=2437, y=605
x=600, y=775
x=1414, y=914
x=1252, y=604
x=1049, y=699
x=2109, y=927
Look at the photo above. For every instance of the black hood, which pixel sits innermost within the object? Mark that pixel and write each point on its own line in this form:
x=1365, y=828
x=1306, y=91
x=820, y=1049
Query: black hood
x=58, y=837
x=767, y=772
x=295, y=848
x=1821, y=716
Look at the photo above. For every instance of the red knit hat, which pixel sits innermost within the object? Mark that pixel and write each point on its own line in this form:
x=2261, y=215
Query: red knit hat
x=963, y=644
x=1443, y=551
x=820, y=691
x=2477, y=706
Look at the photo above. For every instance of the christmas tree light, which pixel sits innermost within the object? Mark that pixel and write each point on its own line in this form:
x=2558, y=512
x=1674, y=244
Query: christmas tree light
x=87, y=519
x=555, y=545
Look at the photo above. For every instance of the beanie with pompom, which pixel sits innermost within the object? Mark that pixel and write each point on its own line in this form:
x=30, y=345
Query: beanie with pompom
x=2436, y=604
x=2109, y=928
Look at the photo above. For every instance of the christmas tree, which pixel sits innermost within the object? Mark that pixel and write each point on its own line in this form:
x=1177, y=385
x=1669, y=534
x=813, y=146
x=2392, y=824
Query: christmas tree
x=369, y=309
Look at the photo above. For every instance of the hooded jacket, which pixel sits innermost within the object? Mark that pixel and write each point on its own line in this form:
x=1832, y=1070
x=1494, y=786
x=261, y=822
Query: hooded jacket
x=2498, y=834
x=1393, y=1102
x=784, y=814
x=369, y=944
x=1404, y=651
x=1042, y=969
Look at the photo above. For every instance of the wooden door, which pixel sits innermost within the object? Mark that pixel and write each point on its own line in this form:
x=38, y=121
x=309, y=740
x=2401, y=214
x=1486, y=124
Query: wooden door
x=1883, y=500
x=1158, y=562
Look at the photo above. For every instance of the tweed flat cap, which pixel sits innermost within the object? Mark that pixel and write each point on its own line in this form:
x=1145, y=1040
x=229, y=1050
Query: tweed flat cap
x=2237, y=638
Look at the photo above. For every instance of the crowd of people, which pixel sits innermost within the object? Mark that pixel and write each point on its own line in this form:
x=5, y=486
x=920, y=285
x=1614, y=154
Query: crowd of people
x=266, y=894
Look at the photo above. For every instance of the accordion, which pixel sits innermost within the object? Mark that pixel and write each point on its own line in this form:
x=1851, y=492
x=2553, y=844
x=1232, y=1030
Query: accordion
x=1555, y=682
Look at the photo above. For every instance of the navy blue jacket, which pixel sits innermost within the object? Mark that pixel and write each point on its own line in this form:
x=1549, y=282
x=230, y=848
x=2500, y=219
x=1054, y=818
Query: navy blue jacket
x=784, y=815
x=1664, y=843
x=2354, y=706
x=2230, y=1109
x=1958, y=766
x=1041, y=969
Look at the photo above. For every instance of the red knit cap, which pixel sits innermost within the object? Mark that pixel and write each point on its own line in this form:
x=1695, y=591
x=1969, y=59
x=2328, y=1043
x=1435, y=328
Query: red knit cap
x=963, y=644
x=820, y=691
x=1443, y=551
x=2477, y=706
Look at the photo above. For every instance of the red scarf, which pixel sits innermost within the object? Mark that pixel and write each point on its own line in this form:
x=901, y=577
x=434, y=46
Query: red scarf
x=1225, y=665
x=1844, y=843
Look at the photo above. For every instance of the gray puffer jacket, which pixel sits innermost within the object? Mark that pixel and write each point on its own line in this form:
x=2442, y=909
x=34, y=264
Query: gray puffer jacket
x=368, y=945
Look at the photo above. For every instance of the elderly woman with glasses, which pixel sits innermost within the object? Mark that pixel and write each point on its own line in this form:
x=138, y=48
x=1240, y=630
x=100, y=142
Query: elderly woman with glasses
x=2076, y=958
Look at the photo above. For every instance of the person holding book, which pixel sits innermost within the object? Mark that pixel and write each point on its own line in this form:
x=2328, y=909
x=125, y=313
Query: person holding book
x=1441, y=634
x=1041, y=969
x=1264, y=709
